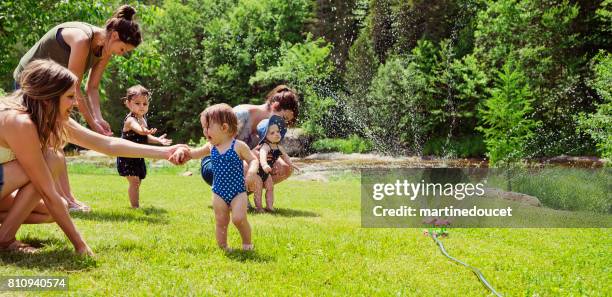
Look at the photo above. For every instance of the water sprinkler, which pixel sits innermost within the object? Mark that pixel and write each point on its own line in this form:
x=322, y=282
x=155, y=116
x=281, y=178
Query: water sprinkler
x=437, y=228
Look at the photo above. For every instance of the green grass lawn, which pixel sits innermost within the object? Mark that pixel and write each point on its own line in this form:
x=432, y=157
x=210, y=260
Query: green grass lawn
x=314, y=245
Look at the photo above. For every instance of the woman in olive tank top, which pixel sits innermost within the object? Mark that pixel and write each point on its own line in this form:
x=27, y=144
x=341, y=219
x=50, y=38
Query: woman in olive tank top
x=82, y=47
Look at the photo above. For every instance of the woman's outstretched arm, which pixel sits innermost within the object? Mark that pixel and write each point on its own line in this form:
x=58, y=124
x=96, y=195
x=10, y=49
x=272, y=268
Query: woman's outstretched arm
x=114, y=146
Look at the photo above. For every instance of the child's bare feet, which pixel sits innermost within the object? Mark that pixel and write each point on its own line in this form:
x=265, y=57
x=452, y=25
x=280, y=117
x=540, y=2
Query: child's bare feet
x=248, y=247
x=78, y=206
x=226, y=248
x=259, y=210
x=270, y=209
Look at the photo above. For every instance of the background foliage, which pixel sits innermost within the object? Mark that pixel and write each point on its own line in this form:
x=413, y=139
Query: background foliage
x=411, y=76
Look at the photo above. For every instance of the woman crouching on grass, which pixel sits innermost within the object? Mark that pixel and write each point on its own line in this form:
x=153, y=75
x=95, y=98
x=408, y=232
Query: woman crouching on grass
x=34, y=125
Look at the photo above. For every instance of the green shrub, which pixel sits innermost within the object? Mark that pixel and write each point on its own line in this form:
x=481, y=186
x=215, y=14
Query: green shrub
x=465, y=147
x=542, y=40
x=568, y=189
x=354, y=144
x=306, y=67
x=599, y=124
x=506, y=125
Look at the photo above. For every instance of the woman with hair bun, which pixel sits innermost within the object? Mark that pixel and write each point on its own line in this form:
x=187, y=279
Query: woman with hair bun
x=82, y=48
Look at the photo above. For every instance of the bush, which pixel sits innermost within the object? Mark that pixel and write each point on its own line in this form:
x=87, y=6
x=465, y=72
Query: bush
x=465, y=147
x=507, y=126
x=306, y=67
x=354, y=144
x=599, y=124
x=542, y=40
x=568, y=189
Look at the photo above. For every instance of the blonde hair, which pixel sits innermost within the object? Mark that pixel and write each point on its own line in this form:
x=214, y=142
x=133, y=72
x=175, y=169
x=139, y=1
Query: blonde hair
x=42, y=84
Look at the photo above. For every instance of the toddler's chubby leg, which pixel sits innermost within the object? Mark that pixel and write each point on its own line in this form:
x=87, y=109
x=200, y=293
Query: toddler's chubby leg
x=222, y=217
x=269, y=185
x=134, y=190
x=239, y=218
x=257, y=194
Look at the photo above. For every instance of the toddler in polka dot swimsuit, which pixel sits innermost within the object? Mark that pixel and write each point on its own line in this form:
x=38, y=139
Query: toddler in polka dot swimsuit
x=220, y=126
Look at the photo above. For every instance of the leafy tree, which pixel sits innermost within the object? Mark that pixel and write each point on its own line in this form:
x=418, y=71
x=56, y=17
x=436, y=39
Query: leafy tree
x=540, y=37
x=24, y=22
x=394, y=114
x=361, y=66
x=469, y=84
x=382, y=28
x=599, y=124
x=419, y=19
x=336, y=23
x=305, y=66
x=197, y=53
x=506, y=122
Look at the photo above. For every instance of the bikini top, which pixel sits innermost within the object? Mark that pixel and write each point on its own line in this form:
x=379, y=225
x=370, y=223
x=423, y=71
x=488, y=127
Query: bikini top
x=6, y=155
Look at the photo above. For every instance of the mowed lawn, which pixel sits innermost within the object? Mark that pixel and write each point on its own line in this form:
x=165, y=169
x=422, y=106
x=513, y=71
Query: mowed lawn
x=313, y=246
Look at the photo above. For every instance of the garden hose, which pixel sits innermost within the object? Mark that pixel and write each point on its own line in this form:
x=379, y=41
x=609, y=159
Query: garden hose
x=474, y=269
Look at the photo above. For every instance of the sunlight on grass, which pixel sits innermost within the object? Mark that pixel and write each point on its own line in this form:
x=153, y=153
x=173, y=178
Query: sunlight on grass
x=312, y=246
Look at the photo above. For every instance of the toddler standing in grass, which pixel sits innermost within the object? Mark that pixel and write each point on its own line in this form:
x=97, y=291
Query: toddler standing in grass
x=220, y=125
x=271, y=132
x=135, y=129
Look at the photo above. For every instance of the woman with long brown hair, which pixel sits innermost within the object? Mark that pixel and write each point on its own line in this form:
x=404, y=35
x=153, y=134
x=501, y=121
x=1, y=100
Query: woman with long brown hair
x=34, y=124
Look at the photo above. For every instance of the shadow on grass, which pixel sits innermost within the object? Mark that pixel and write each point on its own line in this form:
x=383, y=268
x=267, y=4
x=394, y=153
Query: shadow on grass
x=283, y=212
x=150, y=214
x=152, y=210
x=288, y=212
x=248, y=256
x=62, y=259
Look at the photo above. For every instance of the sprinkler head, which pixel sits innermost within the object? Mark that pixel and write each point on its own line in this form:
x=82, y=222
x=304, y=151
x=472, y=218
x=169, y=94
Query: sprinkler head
x=442, y=222
x=429, y=221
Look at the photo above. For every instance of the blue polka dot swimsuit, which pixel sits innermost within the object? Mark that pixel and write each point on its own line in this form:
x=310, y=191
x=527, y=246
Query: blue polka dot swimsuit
x=228, y=172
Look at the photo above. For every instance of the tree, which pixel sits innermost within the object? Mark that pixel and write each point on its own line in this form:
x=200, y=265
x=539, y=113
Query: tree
x=540, y=37
x=198, y=53
x=336, y=23
x=307, y=67
x=599, y=124
x=506, y=122
x=23, y=22
x=382, y=28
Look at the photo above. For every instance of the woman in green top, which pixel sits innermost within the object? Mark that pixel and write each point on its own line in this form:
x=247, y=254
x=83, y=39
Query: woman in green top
x=82, y=47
